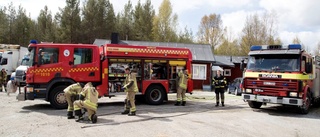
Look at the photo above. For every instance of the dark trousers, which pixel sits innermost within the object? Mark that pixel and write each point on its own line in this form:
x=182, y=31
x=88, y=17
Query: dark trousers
x=219, y=94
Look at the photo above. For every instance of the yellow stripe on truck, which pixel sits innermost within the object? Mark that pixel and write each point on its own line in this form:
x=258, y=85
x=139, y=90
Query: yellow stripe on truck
x=283, y=75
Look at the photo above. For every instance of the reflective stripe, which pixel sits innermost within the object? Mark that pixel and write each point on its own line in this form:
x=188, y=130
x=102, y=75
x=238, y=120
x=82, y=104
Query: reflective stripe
x=183, y=99
x=76, y=107
x=93, y=106
x=70, y=108
x=178, y=99
x=133, y=109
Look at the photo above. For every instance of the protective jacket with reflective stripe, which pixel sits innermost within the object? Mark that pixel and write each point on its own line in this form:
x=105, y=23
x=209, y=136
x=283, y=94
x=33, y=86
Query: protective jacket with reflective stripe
x=130, y=83
x=73, y=89
x=219, y=82
x=183, y=80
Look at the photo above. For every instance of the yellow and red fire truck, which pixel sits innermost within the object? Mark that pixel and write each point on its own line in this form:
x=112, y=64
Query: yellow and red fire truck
x=54, y=66
x=281, y=74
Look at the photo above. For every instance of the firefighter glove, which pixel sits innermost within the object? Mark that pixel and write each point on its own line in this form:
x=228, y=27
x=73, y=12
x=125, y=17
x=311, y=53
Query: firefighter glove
x=81, y=97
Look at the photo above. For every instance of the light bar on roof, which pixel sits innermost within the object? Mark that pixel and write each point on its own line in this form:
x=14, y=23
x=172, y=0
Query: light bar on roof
x=33, y=42
x=255, y=47
x=295, y=46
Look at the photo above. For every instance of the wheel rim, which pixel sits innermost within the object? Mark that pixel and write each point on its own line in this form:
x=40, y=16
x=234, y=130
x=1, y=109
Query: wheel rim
x=155, y=95
x=61, y=99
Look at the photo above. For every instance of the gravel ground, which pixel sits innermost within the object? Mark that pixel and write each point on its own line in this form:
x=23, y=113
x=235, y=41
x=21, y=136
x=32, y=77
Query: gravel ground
x=199, y=118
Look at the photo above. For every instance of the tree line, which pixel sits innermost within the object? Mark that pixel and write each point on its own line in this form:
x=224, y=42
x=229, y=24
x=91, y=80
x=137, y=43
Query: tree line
x=97, y=19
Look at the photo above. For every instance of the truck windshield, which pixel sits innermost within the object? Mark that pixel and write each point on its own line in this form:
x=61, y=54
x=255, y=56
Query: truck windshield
x=31, y=57
x=24, y=62
x=276, y=63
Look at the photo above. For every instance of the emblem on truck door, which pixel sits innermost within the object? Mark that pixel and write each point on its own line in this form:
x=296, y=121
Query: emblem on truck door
x=66, y=53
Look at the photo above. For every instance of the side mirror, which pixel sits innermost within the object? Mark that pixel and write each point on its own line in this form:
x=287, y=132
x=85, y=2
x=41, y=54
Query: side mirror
x=242, y=65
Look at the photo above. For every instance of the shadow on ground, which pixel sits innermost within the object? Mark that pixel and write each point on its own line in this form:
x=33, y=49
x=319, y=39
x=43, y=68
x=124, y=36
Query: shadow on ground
x=289, y=111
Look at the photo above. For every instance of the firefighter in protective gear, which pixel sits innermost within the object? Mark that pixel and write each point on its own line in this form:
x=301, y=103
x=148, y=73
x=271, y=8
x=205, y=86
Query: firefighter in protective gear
x=130, y=87
x=3, y=79
x=71, y=92
x=182, y=87
x=220, y=82
x=89, y=101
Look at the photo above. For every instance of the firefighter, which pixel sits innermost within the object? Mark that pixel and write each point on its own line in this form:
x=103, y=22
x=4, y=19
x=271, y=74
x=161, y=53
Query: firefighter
x=130, y=87
x=220, y=82
x=3, y=79
x=12, y=85
x=71, y=93
x=182, y=87
x=88, y=101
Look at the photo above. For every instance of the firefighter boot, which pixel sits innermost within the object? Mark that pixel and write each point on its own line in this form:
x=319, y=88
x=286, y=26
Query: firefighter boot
x=217, y=104
x=127, y=107
x=133, y=113
x=94, y=118
x=125, y=112
x=70, y=115
x=79, y=114
x=183, y=103
x=222, y=103
x=177, y=103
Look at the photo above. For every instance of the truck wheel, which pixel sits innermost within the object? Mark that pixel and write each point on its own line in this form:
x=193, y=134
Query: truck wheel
x=254, y=104
x=57, y=98
x=304, y=109
x=154, y=95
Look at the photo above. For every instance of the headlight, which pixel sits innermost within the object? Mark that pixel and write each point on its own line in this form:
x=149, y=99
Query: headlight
x=29, y=89
x=248, y=90
x=293, y=94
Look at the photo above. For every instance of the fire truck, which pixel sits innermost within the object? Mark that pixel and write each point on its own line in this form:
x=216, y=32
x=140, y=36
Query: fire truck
x=53, y=67
x=281, y=74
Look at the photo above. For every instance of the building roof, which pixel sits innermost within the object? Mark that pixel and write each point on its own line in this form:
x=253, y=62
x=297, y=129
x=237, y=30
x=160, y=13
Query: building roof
x=223, y=61
x=200, y=52
x=238, y=59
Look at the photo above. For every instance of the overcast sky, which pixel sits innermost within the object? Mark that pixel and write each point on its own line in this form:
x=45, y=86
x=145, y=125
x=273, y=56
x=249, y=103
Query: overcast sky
x=295, y=17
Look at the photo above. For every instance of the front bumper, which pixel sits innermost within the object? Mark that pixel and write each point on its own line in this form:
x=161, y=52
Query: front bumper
x=273, y=99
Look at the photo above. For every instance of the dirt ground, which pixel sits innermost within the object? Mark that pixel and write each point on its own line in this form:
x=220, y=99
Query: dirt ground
x=199, y=118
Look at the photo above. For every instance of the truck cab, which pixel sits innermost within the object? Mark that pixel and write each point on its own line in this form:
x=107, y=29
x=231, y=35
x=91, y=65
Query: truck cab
x=53, y=67
x=20, y=73
x=281, y=74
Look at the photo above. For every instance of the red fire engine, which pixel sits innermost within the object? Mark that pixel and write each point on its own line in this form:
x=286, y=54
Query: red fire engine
x=282, y=74
x=53, y=67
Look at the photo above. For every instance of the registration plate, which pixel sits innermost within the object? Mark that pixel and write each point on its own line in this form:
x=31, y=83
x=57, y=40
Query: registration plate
x=269, y=83
x=266, y=100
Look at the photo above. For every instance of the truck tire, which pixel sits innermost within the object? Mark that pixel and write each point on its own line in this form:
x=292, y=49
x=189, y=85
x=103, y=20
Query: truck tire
x=304, y=109
x=57, y=98
x=155, y=95
x=254, y=104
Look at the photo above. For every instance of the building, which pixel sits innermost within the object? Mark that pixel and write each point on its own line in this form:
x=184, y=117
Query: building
x=231, y=66
x=202, y=57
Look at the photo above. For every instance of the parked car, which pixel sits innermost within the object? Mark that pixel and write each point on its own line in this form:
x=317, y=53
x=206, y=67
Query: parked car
x=235, y=86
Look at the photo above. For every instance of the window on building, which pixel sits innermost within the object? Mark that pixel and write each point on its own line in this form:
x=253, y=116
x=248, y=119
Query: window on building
x=82, y=56
x=199, y=71
x=227, y=72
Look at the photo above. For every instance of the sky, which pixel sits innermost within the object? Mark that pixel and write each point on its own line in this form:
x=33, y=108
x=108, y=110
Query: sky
x=295, y=18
